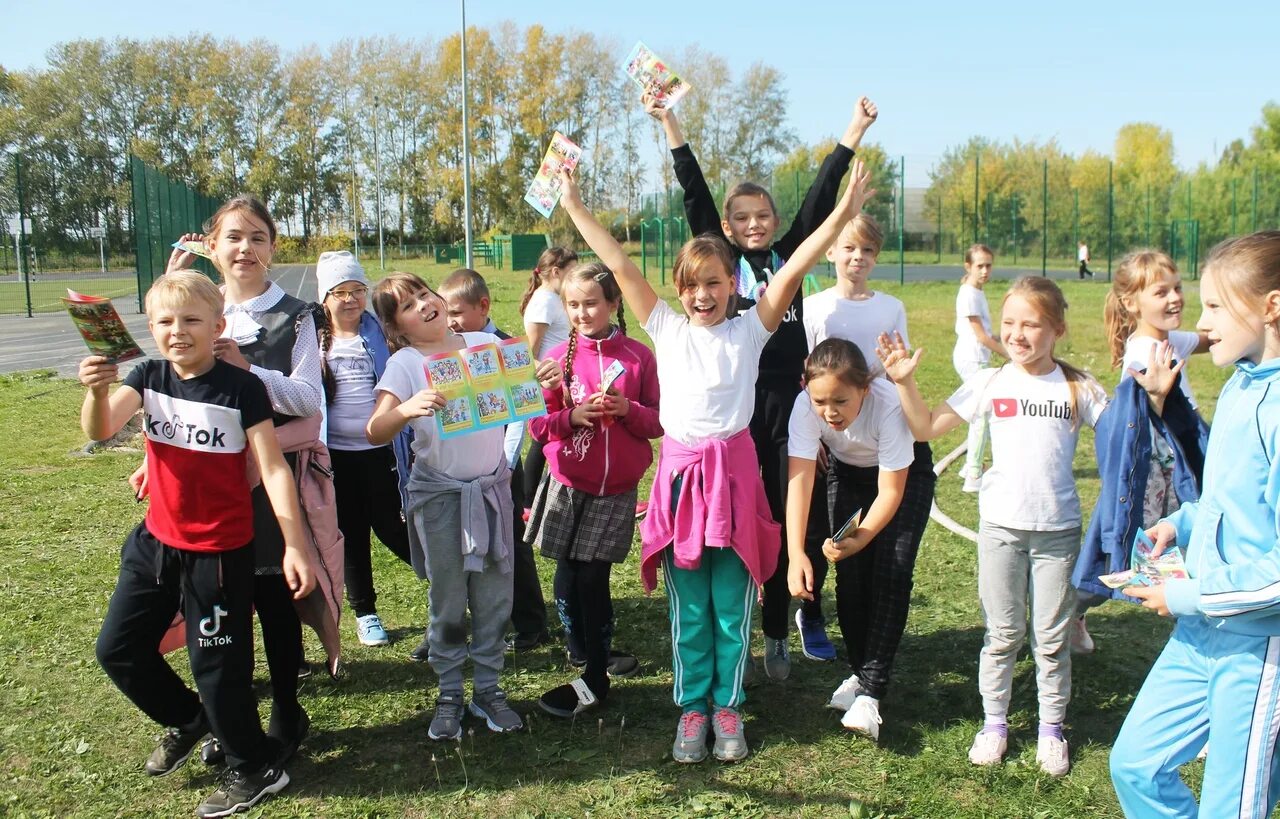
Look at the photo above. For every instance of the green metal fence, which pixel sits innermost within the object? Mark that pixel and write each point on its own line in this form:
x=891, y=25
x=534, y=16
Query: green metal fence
x=1032, y=211
x=163, y=210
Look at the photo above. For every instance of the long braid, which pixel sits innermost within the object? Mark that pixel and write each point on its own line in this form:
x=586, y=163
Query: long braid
x=568, y=366
x=324, y=331
x=622, y=320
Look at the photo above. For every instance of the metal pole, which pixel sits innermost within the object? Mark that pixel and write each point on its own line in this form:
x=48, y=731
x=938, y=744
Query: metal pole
x=377, y=179
x=1013, y=220
x=1111, y=213
x=902, y=218
x=22, y=231
x=1233, y=205
x=977, y=173
x=466, y=148
x=1148, y=216
x=102, y=252
x=939, y=229
x=1075, y=219
x=1044, y=222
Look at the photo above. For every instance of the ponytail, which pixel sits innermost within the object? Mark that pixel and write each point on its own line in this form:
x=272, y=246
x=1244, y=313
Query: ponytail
x=535, y=281
x=1119, y=324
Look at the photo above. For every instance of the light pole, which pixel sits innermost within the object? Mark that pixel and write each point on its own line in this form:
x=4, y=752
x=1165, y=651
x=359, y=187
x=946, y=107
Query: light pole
x=466, y=148
x=377, y=176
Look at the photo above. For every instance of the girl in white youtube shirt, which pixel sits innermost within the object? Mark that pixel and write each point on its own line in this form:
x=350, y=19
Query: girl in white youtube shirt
x=1029, y=534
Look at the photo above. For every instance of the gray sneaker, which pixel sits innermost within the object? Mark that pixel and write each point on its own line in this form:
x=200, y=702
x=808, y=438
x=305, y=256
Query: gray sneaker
x=491, y=706
x=777, y=659
x=447, y=723
x=691, y=737
x=731, y=742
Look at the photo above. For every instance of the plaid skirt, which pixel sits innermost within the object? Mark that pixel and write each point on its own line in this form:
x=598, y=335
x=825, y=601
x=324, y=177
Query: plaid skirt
x=568, y=523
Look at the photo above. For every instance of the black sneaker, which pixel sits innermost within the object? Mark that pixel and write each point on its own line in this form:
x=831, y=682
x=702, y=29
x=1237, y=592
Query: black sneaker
x=522, y=642
x=240, y=791
x=174, y=748
x=422, y=653
x=621, y=664
x=304, y=670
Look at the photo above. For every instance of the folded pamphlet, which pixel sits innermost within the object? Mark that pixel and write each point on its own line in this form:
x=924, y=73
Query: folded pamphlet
x=100, y=327
x=485, y=386
x=544, y=190
x=1147, y=570
x=654, y=77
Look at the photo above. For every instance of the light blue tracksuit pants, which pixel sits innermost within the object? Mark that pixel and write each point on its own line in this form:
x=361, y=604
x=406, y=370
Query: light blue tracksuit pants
x=1207, y=685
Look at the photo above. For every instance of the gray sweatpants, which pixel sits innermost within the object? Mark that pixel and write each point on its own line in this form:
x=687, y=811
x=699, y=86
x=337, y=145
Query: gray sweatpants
x=438, y=526
x=1012, y=562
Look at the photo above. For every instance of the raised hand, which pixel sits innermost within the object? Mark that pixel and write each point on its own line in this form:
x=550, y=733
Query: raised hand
x=864, y=114
x=1162, y=371
x=97, y=373
x=181, y=259
x=899, y=362
x=570, y=193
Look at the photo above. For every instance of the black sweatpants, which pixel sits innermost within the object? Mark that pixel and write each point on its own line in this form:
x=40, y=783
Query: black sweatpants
x=528, y=608
x=819, y=528
x=367, y=493
x=281, y=628
x=873, y=587
x=769, y=433
x=586, y=609
x=215, y=592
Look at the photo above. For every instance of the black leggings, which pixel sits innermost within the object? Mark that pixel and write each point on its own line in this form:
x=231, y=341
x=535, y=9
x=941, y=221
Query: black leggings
x=769, y=433
x=873, y=587
x=586, y=609
x=528, y=609
x=367, y=494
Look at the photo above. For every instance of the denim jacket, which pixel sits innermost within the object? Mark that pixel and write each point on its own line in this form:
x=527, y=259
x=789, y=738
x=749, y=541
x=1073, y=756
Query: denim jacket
x=1122, y=440
x=375, y=342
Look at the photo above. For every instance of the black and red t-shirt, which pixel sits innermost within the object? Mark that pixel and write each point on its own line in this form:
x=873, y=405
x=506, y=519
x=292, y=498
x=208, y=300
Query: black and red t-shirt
x=196, y=451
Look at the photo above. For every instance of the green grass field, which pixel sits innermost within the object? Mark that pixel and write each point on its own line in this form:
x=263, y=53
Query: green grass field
x=70, y=744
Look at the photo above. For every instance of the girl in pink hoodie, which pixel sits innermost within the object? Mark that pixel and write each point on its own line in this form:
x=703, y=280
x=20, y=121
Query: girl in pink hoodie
x=595, y=437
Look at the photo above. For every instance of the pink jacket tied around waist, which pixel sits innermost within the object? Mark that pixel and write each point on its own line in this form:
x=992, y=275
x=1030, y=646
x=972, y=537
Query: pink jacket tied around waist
x=721, y=505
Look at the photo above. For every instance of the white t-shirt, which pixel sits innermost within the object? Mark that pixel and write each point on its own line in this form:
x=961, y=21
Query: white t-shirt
x=827, y=315
x=353, y=397
x=464, y=457
x=545, y=307
x=706, y=375
x=1137, y=355
x=879, y=436
x=970, y=301
x=1082, y=254
x=1033, y=440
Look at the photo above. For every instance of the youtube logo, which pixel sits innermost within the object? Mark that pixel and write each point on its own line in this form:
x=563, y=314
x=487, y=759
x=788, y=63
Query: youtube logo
x=1004, y=407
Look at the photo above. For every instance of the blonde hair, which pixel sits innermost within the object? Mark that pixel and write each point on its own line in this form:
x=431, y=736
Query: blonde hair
x=1245, y=268
x=864, y=229
x=466, y=284
x=387, y=296
x=1135, y=273
x=1046, y=298
x=183, y=287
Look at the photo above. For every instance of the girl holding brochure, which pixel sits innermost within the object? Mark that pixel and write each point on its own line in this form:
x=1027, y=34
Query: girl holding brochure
x=596, y=439
x=856, y=414
x=469, y=561
x=708, y=523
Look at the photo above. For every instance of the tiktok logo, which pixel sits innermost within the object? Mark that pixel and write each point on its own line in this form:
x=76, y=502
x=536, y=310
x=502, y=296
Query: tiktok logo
x=210, y=626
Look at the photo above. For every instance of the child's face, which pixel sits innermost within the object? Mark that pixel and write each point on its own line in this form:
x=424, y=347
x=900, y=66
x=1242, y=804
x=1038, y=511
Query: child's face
x=835, y=402
x=1027, y=337
x=590, y=312
x=184, y=334
x=242, y=248
x=421, y=318
x=854, y=259
x=1159, y=304
x=346, y=302
x=978, y=271
x=465, y=316
x=751, y=222
x=706, y=299
x=1232, y=337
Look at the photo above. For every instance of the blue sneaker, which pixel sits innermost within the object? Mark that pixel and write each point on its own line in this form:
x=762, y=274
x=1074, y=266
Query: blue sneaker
x=814, y=643
x=370, y=631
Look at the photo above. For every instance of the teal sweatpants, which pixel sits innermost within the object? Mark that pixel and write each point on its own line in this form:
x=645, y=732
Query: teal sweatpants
x=710, y=610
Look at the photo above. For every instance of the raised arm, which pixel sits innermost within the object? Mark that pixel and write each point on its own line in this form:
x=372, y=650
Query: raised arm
x=699, y=207
x=636, y=292
x=776, y=299
x=104, y=413
x=900, y=365
x=667, y=118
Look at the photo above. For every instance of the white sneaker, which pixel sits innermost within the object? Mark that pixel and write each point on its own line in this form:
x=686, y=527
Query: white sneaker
x=843, y=697
x=988, y=748
x=1078, y=636
x=863, y=717
x=1051, y=755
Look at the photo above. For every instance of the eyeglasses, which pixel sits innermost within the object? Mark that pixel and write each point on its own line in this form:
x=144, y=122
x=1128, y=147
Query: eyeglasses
x=348, y=295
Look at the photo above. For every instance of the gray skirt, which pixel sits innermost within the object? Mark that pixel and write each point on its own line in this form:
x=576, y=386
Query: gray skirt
x=568, y=523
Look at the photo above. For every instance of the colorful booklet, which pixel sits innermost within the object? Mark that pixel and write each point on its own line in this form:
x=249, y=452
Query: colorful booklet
x=850, y=526
x=485, y=386
x=198, y=248
x=544, y=190
x=100, y=327
x=653, y=76
x=1147, y=570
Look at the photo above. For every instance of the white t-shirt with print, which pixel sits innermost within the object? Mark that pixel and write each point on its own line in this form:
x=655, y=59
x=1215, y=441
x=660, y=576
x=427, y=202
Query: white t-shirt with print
x=1033, y=441
x=463, y=457
x=706, y=375
x=545, y=307
x=879, y=436
x=828, y=315
x=353, y=397
x=971, y=301
x=1137, y=355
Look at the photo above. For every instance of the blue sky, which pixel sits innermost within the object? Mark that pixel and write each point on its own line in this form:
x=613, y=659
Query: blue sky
x=940, y=72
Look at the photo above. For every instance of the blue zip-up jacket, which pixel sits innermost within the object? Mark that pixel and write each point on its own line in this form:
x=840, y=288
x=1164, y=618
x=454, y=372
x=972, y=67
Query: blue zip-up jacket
x=1122, y=441
x=1232, y=534
x=375, y=344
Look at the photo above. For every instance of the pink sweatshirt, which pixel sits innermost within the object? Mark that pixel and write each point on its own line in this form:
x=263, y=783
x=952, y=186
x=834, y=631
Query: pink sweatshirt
x=721, y=505
x=610, y=456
